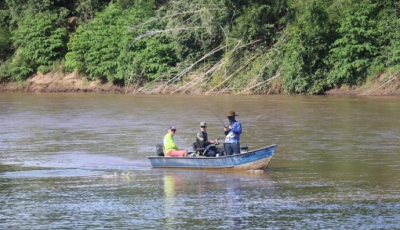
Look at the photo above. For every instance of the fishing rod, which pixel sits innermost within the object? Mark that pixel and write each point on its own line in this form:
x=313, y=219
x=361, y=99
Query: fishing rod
x=218, y=118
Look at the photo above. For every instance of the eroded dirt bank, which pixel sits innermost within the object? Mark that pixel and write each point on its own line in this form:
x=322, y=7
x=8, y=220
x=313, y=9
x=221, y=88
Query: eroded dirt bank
x=58, y=83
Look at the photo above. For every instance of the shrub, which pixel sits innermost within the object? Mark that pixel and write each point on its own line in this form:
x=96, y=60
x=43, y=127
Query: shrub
x=5, y=43
x=39, y=41
x=308, y=39
x=356, y=47
x=111, y=46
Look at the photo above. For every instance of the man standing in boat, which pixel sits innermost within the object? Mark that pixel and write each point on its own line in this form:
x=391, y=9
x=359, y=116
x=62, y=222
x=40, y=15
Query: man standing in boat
x=170, y=148
x=203, y=142
x=232, y=132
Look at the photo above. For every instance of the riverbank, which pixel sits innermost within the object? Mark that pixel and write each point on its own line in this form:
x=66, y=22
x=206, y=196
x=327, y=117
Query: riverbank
x=58, y=82
x=380, y=86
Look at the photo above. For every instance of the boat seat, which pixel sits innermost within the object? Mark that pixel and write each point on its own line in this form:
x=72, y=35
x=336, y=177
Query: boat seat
x=198, y=151
x=244, y=149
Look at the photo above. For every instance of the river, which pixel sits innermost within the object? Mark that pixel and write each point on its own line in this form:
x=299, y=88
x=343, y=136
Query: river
x=64, y=160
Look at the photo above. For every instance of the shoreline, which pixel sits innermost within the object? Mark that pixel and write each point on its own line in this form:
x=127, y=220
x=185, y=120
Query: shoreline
x=73, y=83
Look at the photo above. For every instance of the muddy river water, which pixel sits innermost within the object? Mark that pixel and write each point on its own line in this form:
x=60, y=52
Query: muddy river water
x=78, y=161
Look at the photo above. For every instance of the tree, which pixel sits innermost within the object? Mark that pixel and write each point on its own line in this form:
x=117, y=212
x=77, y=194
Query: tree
x=39, y=41
x=308, y=37
x=389, y=24
x=357, y=45
x=5, y=43
x=86, y=9
x=112, y=46
x=95, y=47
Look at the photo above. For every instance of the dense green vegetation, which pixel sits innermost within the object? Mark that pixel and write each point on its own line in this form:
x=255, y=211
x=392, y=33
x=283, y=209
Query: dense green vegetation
x=304, y=46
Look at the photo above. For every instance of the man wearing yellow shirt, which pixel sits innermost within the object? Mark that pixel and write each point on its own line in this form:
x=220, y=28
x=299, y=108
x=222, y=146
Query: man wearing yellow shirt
x=170, y=148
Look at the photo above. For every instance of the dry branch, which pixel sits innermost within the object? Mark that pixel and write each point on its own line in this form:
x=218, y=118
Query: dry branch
x=154, y=32
x=237, y=71
x=191, y=66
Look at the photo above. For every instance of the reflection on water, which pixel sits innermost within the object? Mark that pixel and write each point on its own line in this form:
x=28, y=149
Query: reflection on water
x=64, y=160
x=207, y=196
x=170, y=182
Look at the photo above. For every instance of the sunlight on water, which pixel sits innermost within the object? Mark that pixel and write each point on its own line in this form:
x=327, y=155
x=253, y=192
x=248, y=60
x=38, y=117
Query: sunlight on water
x=49, y=173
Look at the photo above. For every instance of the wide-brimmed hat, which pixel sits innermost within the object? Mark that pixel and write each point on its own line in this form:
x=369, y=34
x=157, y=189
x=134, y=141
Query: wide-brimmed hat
x=231, y=114
x=203, y=124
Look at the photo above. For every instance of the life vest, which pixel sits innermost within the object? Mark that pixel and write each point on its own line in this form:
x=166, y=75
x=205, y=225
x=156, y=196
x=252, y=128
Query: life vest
x=201, y=139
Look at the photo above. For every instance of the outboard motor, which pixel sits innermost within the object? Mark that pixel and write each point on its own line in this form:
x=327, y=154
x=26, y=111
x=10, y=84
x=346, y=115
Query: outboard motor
x=160, y=150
